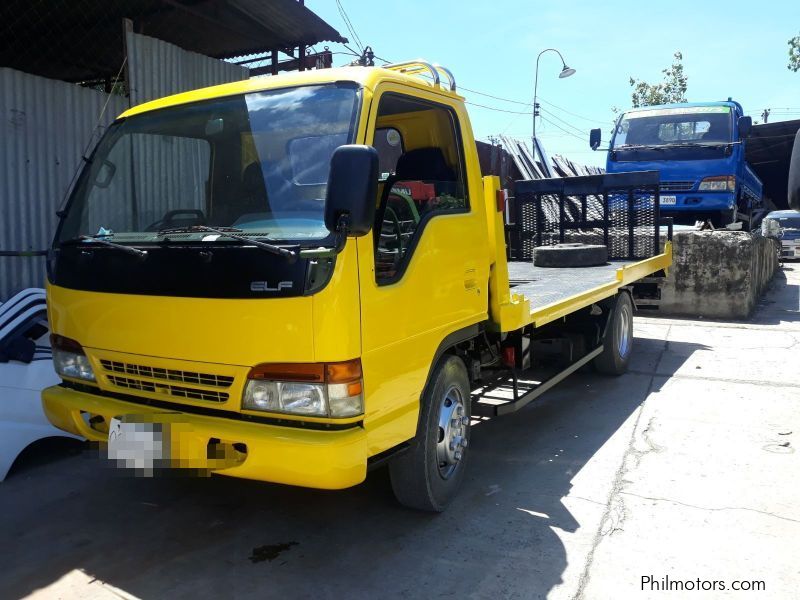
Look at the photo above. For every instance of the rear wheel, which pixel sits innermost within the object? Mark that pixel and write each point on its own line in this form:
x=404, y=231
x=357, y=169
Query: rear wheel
x=618, y=342
x=428, y=475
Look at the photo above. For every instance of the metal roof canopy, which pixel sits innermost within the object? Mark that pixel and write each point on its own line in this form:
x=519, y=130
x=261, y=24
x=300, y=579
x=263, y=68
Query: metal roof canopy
x=769, y=150
x=82, y=40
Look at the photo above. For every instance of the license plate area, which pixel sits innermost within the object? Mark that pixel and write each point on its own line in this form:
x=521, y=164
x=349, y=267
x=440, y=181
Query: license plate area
x=137, y=444
x=667, y=200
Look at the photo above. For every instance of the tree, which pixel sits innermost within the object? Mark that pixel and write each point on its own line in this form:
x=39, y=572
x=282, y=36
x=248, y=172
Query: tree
x=671, y=90
x=794, y=54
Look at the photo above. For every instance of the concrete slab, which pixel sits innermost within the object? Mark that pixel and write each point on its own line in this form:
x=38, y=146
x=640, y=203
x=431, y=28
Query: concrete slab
x=669, y=470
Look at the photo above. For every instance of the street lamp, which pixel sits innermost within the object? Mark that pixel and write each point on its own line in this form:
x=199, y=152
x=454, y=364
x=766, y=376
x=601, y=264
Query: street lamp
x=565, y=72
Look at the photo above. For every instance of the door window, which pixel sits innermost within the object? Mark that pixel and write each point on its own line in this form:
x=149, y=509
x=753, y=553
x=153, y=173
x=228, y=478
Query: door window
x=423, y=178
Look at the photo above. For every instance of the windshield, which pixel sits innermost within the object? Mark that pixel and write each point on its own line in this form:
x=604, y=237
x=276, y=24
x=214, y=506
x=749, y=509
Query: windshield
x=673, y=126
x=789, y=222
x=256, y=162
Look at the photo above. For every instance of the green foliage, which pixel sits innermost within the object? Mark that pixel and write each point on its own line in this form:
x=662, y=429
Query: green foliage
x=794, y=54
x=671, y=90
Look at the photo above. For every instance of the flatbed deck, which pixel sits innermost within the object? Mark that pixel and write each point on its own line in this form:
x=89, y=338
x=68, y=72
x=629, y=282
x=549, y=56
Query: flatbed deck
x=556, y=292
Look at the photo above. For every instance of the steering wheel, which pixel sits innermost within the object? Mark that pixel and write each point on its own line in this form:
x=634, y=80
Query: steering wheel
x=391, y=236
x=170, y=219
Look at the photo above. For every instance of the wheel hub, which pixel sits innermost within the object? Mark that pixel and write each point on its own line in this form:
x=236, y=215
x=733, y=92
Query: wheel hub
x=453, y=424
x=624, y=331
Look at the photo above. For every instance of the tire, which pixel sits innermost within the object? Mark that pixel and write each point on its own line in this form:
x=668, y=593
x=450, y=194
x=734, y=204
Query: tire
x=618, y=341
x=570, y=255
x=428, y=475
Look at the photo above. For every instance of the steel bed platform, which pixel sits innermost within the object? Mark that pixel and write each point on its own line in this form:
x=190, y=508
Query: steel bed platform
x=556, y=292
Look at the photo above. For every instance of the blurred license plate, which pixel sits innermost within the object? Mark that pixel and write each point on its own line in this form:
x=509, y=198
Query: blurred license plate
x=668, y=199
x=136, y=445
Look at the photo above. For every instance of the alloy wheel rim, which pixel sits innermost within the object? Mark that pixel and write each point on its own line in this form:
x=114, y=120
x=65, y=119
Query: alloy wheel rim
x=624, y=331
x=452, y=439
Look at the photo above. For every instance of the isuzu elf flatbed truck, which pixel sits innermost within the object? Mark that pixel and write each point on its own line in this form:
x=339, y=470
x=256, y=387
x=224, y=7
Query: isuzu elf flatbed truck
x=296, y=278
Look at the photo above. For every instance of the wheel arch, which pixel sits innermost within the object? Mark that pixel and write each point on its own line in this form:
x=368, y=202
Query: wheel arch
x=448, y=346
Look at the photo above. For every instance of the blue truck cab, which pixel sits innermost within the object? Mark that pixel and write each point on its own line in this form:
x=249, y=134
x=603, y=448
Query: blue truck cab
x=698, y=147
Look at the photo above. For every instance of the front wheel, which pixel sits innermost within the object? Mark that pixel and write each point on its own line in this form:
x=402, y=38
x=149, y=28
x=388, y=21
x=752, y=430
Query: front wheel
x=428, y=475
x=618, y=341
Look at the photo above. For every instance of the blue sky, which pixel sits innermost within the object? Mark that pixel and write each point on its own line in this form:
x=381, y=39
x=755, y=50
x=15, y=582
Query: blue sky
x=730, y=48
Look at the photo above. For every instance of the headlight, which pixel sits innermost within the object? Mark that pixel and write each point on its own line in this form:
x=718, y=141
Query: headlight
x=69, y=359
x=718, y=183
x=315, y=389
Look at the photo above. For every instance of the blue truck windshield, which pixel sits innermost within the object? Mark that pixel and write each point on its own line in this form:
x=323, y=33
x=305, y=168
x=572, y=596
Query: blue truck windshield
x=256, y=162
x=674, y=126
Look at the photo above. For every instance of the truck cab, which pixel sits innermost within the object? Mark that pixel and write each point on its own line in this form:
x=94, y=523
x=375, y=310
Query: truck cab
x=698, y=148
x=166, y=293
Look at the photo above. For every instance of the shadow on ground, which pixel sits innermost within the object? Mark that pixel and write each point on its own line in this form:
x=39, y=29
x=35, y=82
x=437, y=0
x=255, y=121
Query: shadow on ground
x=781, y=302
x=181, y=537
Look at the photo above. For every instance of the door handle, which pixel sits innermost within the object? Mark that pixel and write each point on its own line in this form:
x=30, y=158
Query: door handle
x=470, y=280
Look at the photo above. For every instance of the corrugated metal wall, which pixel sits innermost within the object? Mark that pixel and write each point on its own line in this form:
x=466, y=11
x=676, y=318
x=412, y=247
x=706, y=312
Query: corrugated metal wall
x=157, y=68
x=45, y=126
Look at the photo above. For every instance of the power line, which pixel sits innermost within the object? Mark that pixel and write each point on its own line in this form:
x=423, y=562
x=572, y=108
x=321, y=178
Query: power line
x=496, y=97
x=570, y=113
x=502, y=110
x=502, y=99
x=349, y=25
x=576, y=136
x=578, y=129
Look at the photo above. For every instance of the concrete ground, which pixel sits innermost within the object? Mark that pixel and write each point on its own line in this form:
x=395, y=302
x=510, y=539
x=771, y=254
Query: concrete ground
x=686, y=467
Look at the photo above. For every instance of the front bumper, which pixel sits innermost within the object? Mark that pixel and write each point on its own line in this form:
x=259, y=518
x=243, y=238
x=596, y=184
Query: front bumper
x=289, y=455
x=697, y=202
x=790, y=248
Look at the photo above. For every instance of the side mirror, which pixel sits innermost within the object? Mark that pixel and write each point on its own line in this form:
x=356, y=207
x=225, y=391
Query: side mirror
x=745, y=125
x=794, y=175
x=594, y=138
x=352, y=188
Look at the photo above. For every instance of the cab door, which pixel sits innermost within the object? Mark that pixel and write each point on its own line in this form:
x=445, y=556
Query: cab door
x=424, y=271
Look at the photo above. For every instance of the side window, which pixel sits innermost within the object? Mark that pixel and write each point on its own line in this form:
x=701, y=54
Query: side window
x=422, y=175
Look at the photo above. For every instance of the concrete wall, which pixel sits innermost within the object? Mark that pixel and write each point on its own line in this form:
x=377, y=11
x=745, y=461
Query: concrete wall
x=718, y=274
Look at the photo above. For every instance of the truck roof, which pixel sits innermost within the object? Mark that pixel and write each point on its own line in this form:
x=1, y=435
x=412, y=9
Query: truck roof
x=367, y=77
x=687, y=105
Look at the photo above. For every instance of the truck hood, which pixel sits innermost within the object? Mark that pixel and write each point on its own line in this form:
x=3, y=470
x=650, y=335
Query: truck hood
x=223, y=331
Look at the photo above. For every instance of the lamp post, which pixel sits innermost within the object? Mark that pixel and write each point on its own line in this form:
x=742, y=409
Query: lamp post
x=565, y=72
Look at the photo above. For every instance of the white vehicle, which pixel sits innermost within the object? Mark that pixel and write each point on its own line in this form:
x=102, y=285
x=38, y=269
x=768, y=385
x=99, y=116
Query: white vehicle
x=26, y=367
x=785, y=226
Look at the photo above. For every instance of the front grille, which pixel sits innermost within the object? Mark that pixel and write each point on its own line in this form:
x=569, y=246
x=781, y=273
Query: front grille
x=143, y=385
x=156, y=380
x=167, y=374
x=676, y=186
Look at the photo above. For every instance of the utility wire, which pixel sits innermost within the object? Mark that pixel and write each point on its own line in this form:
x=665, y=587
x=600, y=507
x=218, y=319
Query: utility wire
x=571, y=113
x=560, y=120
x=576, y=136
x=531, y=104
x=349, y=26
x=502, y=110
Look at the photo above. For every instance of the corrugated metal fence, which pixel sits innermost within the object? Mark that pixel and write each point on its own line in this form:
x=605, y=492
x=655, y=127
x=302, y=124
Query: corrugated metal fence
x=47, y=125
x=157, y=68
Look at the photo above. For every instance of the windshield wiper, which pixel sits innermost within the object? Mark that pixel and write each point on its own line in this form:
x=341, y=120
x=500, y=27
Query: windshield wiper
x=100, y=238
x=232, y=232
x=698, y=144
x=639, y=147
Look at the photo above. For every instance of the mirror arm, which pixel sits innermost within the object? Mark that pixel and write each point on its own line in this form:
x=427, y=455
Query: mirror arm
x=342, y=228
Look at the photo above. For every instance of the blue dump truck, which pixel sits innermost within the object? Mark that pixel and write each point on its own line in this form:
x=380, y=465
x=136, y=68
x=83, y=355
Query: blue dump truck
x=698, y=148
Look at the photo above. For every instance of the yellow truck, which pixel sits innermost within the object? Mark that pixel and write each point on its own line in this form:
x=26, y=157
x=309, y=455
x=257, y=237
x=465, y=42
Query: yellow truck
x=297, y=278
